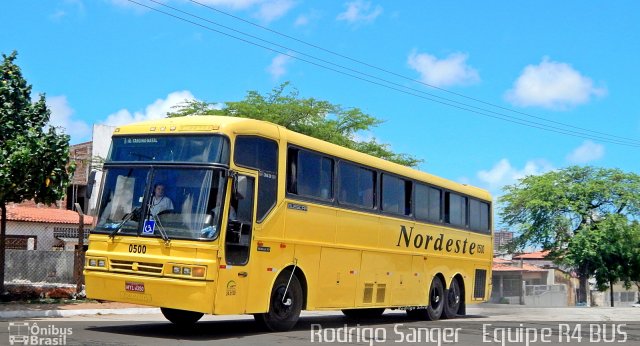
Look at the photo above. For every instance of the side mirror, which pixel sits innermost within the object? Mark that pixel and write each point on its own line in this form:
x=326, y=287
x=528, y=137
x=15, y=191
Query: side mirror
x=240, y=187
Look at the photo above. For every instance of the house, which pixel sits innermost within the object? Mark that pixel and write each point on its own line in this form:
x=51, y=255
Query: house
x=30, y=227
x=40, y=243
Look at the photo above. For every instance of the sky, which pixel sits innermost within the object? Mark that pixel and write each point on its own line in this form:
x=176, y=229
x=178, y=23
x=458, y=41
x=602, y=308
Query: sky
x=439, y=73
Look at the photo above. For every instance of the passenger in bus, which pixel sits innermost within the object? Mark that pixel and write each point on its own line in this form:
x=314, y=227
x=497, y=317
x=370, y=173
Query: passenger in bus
x=160, y=202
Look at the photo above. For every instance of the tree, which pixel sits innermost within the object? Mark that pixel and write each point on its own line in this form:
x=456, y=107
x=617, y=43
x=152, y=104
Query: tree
x=550, y=209
x=315, y=118
x=33, y=156
x=608, y=250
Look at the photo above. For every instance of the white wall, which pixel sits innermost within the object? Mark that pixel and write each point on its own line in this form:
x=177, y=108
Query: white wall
x=101, y=142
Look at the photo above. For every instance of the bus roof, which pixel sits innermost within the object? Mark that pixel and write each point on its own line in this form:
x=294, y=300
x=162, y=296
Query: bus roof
x=245, y=126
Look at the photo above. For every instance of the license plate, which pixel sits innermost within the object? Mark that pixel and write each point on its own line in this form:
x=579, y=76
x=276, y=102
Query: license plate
x=134, y=286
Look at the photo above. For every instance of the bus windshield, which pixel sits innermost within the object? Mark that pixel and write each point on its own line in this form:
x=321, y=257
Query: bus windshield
x=183, y=203
x=159, y=148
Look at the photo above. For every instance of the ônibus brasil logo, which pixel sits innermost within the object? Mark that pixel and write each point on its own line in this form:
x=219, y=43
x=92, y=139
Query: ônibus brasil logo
x=23, y=333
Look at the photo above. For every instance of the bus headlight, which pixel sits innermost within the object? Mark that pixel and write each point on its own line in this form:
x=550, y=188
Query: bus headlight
x=187, y=270
x=198, y=272
x=96, y=263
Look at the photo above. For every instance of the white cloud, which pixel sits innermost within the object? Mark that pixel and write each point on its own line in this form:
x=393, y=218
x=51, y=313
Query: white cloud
x=272, y=10
x=61, y=116
x=360, y=11
x=552, y=85
x=302, y=20
x=278, y=66
x=156, y=110
x=587, y=152
x=452, y=70
x=503, y=173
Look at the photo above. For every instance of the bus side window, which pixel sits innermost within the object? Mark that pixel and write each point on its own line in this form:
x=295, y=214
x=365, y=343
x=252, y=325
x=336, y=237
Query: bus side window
x=261, y=154
x=357, y=185
x=455, y=209
x=310, y=174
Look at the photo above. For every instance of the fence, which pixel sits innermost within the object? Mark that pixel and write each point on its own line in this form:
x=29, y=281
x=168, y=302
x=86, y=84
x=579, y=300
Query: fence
x=42, y=254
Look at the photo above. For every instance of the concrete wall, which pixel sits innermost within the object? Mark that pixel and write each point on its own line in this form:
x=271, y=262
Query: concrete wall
x=101, y=142
x=25, y=266
x=547, y=299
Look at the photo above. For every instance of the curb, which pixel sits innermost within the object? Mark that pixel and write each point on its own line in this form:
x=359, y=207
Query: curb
x=67, y=313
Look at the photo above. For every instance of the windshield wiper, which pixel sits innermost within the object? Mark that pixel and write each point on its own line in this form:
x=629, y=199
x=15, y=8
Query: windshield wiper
x=161, y=229
x=163, y=233
x=134, y=212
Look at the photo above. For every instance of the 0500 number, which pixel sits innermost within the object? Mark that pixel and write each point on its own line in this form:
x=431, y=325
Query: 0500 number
x=137, y=248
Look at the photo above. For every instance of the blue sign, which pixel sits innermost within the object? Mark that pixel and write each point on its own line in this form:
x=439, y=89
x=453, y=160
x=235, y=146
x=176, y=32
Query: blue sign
x=149, y=227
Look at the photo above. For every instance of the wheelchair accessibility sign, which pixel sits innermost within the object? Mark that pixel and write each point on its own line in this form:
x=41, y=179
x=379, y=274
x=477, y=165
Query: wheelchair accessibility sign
x=149, y=227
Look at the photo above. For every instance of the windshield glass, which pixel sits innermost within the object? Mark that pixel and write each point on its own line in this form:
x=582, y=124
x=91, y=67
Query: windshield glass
x=183, y=203
x=201, y=149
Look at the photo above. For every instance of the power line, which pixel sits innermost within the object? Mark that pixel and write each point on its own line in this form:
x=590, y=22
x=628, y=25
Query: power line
x=447, y=102
x=501, y=115
x=364, y=63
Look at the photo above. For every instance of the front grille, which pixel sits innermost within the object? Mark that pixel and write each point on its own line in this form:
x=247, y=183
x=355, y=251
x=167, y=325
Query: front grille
x=136, y=267
x=480, y=283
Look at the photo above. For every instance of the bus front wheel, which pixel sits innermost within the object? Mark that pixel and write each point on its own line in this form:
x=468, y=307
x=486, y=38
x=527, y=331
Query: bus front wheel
x=284, y=306
x=181, y=317
x=436, y=303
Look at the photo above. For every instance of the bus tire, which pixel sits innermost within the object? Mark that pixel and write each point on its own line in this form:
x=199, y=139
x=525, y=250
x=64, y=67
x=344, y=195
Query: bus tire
x=452, y=300
x=436, y=303
x=363, y=314
x=181, y=318
x=283, y=314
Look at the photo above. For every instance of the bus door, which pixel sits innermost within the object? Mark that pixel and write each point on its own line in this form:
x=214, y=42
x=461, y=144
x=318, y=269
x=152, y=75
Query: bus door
x=233, y=273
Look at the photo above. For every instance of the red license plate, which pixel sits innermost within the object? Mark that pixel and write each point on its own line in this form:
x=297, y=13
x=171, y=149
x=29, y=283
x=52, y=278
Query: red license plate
x=134, y=286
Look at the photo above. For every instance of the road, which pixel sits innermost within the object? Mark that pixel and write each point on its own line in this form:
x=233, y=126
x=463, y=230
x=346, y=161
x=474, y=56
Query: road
x=592, y=325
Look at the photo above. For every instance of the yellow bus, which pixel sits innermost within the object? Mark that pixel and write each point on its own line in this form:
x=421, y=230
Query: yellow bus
x=222, y=215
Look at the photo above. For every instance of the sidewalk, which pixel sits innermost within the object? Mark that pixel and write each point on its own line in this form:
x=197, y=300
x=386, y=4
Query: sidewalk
x=14, y=311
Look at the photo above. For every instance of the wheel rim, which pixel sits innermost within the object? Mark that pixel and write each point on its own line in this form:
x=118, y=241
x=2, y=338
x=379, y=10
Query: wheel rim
x=282, y=305
x=436, y=298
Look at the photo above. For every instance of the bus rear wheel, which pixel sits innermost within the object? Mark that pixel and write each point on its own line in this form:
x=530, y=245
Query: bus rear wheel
x=361, y=314
x=436, y=303
x=181, y=317
x=452, y=300
x=284, y=306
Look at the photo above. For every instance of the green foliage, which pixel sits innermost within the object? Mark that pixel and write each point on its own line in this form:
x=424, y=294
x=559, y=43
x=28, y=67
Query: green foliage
x=315, y=118
x=609, y=250
x=549, y=209
x=585, y=216
x=33, y=157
